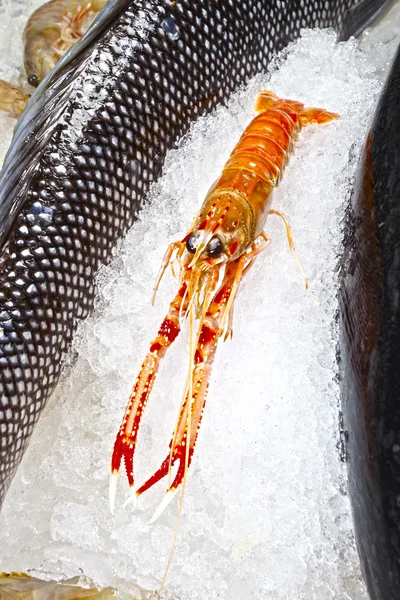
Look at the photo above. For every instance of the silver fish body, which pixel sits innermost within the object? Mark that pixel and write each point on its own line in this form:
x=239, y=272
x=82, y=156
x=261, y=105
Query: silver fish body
x=88, y=146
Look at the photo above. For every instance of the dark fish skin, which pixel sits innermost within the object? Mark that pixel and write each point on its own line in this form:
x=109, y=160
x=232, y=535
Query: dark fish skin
x=370, y=347
x=90, y=143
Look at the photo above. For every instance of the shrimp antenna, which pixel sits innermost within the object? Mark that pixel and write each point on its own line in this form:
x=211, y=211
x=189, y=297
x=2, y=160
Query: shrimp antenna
x=189, y=385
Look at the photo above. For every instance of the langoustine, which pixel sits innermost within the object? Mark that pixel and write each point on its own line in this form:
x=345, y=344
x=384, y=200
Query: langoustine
x=215, y=254
x=50, y=31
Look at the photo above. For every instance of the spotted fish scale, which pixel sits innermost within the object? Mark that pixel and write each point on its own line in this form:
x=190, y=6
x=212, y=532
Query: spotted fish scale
x=85, y=151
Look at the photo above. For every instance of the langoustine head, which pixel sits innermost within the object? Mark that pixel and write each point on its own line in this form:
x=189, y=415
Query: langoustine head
x=222, y=232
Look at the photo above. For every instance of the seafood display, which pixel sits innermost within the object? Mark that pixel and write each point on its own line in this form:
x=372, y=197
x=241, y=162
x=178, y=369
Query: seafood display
x=369, y=347
x=85, y=152
x=50, y=31
x=212, y=259
x=265, y=475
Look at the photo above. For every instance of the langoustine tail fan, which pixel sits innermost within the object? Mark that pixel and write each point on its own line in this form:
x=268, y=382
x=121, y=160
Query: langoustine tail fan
x=213, y=257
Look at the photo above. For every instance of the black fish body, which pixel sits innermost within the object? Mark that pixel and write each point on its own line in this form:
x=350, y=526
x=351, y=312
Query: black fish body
x=86, y=149
x=370, y=347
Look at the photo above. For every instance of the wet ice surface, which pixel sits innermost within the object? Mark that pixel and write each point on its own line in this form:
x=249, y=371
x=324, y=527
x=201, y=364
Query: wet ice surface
x=265, y=512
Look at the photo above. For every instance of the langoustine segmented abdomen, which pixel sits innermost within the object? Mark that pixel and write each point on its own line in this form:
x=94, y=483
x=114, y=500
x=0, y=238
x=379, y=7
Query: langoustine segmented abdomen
x=257, y=162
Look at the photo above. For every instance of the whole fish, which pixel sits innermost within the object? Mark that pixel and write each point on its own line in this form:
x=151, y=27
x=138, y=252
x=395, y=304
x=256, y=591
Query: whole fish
x=369, y=347
x=86, y=149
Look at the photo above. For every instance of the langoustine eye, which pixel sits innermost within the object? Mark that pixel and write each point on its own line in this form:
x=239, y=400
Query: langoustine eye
x=191, y=243
x=215, y=247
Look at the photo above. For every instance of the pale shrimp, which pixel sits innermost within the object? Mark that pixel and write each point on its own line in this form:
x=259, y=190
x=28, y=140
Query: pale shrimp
x=50, y=31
